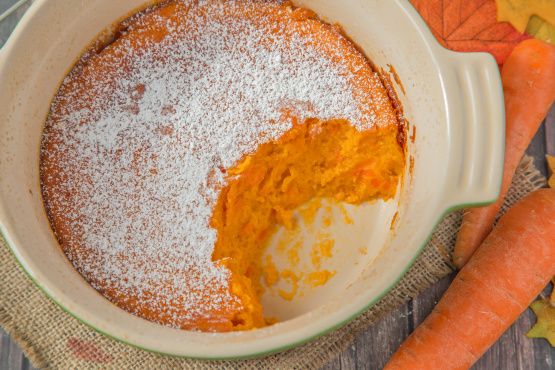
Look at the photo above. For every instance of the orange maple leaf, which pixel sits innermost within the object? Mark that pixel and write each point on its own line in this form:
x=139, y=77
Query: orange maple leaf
x=469, y=25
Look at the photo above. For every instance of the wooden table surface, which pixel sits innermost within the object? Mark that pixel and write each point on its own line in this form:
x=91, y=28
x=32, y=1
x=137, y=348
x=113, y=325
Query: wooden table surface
x=373, y=347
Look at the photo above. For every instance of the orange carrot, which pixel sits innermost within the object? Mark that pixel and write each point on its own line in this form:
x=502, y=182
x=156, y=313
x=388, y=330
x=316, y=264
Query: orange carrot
x=511, y=267
x=528, y=77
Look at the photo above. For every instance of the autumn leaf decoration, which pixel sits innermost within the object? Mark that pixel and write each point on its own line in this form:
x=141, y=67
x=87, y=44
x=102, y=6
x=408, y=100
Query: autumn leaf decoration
x=535, y=17
x=541, y=29
x=551, y=167
x=545, y=313
x=469, y=25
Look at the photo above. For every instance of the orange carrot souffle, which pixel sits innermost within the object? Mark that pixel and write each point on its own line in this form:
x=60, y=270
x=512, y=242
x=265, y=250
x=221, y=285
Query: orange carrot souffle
x=173, y=153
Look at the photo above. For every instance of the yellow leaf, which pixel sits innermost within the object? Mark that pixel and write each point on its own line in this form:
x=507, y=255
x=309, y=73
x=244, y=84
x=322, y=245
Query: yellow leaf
x=551, y=166
x=541, y=29
x=545, y=325
x=518, y=12
x=551, y=163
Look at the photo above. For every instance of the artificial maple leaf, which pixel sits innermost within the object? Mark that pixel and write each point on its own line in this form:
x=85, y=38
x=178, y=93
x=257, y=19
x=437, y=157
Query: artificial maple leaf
x=541, y=29
x=545, y=324
x=469, y=25
x=518, y=12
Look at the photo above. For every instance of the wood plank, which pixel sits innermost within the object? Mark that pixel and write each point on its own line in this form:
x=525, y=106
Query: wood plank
x=15, y=357
x=335, y=364
x=375, y=345
x=4, y=350
x=8, y=24
x=11, y=356
x=550, y=132
x=537, y=149
x=348, y=358
x=372, y=348
x=5, y=4
x=426, y=301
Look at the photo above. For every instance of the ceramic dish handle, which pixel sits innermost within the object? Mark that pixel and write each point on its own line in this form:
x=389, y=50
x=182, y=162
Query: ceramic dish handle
x=476, y=129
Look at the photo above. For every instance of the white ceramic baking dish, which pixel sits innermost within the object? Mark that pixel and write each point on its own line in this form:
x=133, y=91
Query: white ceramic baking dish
x=455, y=101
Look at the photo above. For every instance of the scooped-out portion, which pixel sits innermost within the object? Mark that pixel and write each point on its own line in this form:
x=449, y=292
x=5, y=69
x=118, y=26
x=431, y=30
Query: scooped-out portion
x=315, y=159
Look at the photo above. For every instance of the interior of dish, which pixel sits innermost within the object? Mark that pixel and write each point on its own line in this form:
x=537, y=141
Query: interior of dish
x=173, y=154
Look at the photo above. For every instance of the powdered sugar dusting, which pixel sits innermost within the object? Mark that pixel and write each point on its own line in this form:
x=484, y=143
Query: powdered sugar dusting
x=139, y=137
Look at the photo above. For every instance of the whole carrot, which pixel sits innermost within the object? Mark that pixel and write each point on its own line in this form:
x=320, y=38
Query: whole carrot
x=528, y=77
x=508, y=271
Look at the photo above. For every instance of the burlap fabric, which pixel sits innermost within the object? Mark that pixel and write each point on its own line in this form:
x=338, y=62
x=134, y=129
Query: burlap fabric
x=52, y=338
